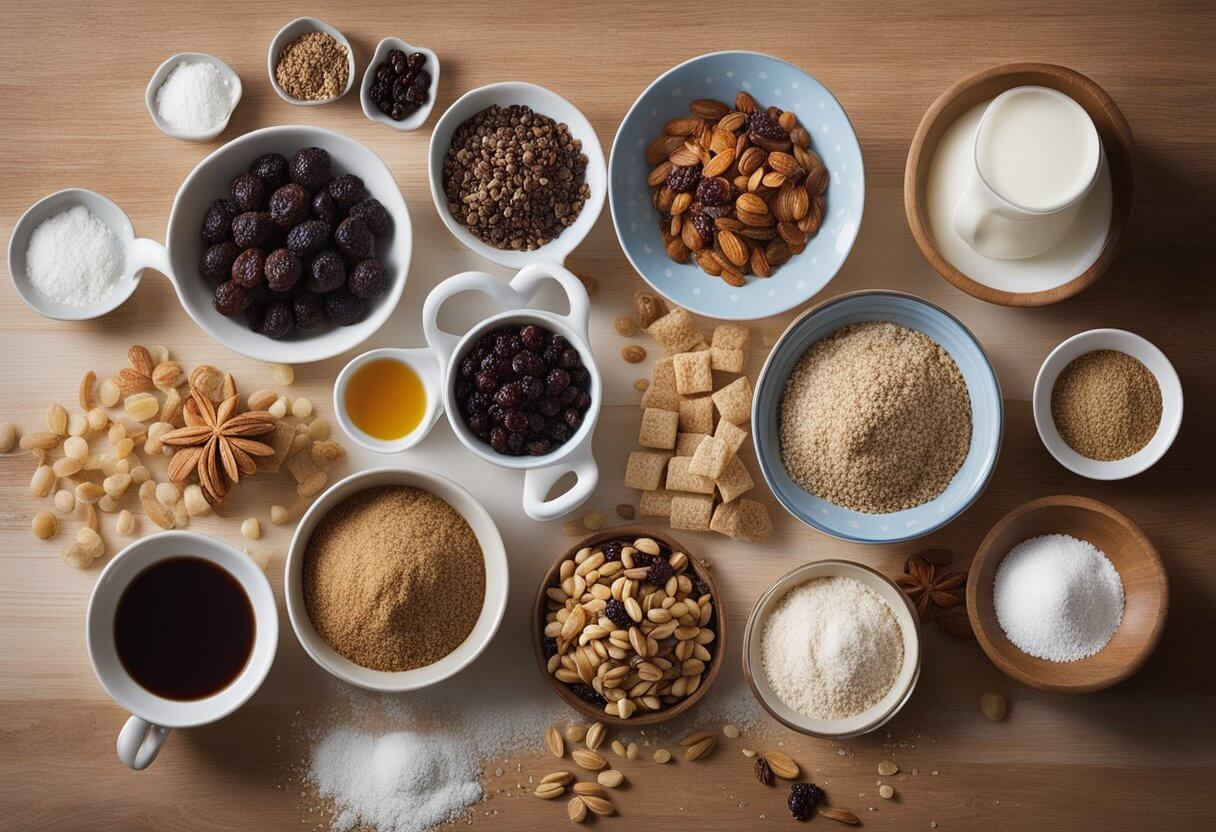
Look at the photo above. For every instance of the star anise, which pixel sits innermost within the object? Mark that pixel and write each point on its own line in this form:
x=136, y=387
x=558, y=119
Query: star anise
x=929, y=585
x=215, y=442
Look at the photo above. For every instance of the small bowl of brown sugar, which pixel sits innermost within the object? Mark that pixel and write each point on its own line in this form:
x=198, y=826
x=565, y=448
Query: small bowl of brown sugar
x=310, y=62
x=1107, y=404
x=396, y=579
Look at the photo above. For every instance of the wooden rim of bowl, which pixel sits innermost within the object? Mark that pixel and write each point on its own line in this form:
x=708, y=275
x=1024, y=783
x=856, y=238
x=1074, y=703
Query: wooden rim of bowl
x=990, y=637
x=640, y=717
x=1116, y=143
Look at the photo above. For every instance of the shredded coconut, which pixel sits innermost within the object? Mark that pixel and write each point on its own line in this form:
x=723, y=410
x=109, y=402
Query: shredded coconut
x=195, y=97
x=73, y=258
x=831, y=648
x=1058, y=598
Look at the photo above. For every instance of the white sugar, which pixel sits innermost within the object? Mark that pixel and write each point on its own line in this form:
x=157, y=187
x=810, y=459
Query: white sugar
x=73, y=258
x=1058, y=598
x=195, y=97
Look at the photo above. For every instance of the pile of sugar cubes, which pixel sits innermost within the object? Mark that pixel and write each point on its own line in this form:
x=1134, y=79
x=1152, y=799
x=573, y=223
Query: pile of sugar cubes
x=690, y=471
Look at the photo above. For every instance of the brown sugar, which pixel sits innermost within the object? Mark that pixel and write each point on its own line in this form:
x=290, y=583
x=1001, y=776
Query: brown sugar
x=394, y=578
x=1106, y=405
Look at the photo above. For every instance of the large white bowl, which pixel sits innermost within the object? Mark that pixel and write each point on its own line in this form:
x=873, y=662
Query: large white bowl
x=543, y=102
x=1138, y=348
x=492, y=609
x=873, y=717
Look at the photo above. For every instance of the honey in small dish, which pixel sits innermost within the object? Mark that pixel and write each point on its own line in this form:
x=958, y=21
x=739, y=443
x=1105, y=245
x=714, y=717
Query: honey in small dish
x=385, y=398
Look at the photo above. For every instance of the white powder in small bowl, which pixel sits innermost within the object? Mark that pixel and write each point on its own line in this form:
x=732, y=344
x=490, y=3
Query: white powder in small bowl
x=73, y=258
x=195, y=97
x=831, y=648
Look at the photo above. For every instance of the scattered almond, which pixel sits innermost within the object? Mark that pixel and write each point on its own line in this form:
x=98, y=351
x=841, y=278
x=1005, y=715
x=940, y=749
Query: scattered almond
x=595, y=735
x=587, y=759
x=840, y=815
x=886, y=792
x=782, y=764
x=599, y=805
x=576, y=809
x=886, y=768
x=562, y=778
x=993, y=705
x=662, y=755
x=548, y=791
x=575, y=732
x=610, y=778
x=45, y=525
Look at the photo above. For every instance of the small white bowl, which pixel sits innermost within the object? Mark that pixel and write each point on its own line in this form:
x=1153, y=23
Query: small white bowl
x=492, y=609
x=293, y=30
x=546, y=103
x=868, y=720
x=419, y=117
x=158, y=80
x=426, y=365
x=1144, y=352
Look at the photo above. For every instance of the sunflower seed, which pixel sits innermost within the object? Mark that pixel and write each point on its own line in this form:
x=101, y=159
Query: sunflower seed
x=553, y=739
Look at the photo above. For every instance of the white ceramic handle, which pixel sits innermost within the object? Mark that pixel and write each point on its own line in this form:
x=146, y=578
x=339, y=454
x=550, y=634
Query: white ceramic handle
x=150, y=254
x=139, y=742
x=531, y=277
x=970, y=214
x=444, y=343
x=538, y=481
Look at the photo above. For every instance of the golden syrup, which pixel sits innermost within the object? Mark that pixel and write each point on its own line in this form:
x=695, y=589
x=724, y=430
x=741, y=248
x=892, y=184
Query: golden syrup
x=385, y=399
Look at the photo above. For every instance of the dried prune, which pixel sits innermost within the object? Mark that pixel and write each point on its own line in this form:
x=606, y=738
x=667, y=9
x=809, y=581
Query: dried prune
x=278, y=322
x=217, y=223
x=216, y=263
x=309, y=310
x=326, y=272
x=398, y=61
x=374, y=215
x=310, y=167
x=249, y=268
x=251, y=229
x=343, y=308
x=308, y=238
x=368, y=279
x=346, y=190
x=289, y=206
x=248, y=192
x=282, y=269
x=271, y=169
x=325, y=209
x=354, y=238
x=684, y=178
x=415, y=60
x=230, y=298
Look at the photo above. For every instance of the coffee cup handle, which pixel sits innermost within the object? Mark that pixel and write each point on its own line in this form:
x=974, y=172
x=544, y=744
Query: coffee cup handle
x=444, y=343
x=139, y=742
x=538, y=481
x=970, y=213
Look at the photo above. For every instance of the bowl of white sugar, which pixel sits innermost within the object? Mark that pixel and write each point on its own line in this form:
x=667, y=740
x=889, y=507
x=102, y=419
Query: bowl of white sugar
x=192, y=95
x=832, y=649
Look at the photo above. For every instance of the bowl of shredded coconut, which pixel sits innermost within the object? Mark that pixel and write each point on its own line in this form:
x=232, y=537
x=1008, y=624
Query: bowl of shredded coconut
x=832, y=649
x=192, y=96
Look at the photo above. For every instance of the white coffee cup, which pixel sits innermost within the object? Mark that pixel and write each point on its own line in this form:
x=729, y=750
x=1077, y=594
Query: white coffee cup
x=153, y=716
x=1036, y=158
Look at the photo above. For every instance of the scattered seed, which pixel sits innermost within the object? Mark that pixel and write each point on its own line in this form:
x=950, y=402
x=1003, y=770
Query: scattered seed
x=67, y=466
x=641, y=385
x=841, y=815
x=45, y=525
x=251, y=528
x=88, y=513
x=548, y=791
x=141, y=407
x=57, y=419
x=43, y=481
x=886, y=792
x=279, y=409
x=633, y=353
x=575, y=732
x=44, y=441
x=279, y=515
x=631, y=751
x=91, y=541
x=301, y=408
x=98, y=419
x=65, y=501
x=108, y=392
x=576, y=809
x=78, y=424
x=282, y=374
x=749, y=752
x=156, y=511
x=701, y=749
x=318, y=430
x=624, y=326
x=594, y=520
x=587, y=759
x=553, y=739
x=194, y=500
x=168, y=493
x=886, y=768
x=563, y=778
x=618, y=748
x=662, y=755
x=8, y=436
x=611, y=778
x=595, y=736
x=126, y=522
x=731, y=731
x=993, y=705
x=76, y=555
x=599, y=805
x=116, y=484
x=594, y=789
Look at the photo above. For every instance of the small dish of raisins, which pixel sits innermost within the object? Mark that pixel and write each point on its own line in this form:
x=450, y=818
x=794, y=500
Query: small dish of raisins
x=400, y=84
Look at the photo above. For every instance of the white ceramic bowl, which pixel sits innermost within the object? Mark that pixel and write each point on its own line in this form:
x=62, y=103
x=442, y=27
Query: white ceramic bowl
x=1148, y=355
x=419, y=117
x=492, y=610
x=425, y=364
x=882, y=711
x=158, y=80
x=293, y=30
x=546, y=103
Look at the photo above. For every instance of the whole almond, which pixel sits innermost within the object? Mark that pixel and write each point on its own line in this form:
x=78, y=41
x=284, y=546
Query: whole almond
x=721, y=140
x=693, y=738
x=576, y=809
x=745, y=103
x=773, y=179
x=681, y=202
x=659, y=174
x=85, y=394
x=750, y=159
x=684, y=157
x=800, y=138
x=817, y=181
x=132, y=381
x=708, y=263
x=562, y=778
x=610, y=778
x=658, y=150
x=548, y=791
x=993, y=705
x=754, y=219
x=594, y=789
x=787, y=120
x=735, y=249
x=791, y=233
x=782, y=764
x=595, y=736
x=167, y=375
x=734, y=278
x=683, y=126
x=598, y=805
x=752, y=204
x=756, y=181
x=587, y=759
x=732, y=122
x=676, y=248
x=701, y=749
x=691, y=237
x=554, y=741
x=708, y=108
x=141, y=360
x=720, y=163
x=840, y=815
x=784, y=163
x=760, y=264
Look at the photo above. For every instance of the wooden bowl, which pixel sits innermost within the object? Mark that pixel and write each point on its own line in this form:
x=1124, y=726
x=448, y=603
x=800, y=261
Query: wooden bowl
x=640, y=717
x=1145, y=593
x=982, y=86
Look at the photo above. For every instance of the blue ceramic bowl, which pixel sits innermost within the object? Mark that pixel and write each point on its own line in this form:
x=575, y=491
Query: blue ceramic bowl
x=772, y=82
x=987, y=415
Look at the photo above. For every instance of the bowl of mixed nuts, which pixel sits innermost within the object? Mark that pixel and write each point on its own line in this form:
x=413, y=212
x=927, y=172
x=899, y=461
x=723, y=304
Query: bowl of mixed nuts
x=626, y=627
x=736, y=185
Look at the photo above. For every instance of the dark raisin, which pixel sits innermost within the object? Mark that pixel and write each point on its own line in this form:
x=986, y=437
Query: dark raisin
x=583, y=400
x=289, y=206
x=231, y=298
x=612, y=550
x=498, y=439
x=515, y=421
x=216, y=262
x=375, y=216
x=549, y=406
x=463, y=387
x=347, y=190
x=765, y=126
x=684, y=178
x=310, y=167
x=615, y=611
x=307, y=238
x=249, y=268
x=515, y=444
x=804, y=796
x=717, y=211
x=579, y=377
x=354, y=238
x=572, y=417
x=712, y=191
x=422, y=79
x=217, y=224
x=559, y=432
x=549, y=647
x=325, y=209
x=368, y=279
x=248, y=192
x=509, y=395
x=416, y=94
x=532, y=337
x=699, y=587
x=282, y=269
x=532, y=387
x=539, y=446
x=568, y=396
x=398, y=112
x=251, y=229
x=326, y=272
x=570, y=358
x=254, y=313
x=343, y=308
x=415, y=60
x=384, y=73
x=659, y=572
x=527, y=363
x=479, y=424
x=537, y=422
x=588, y=695
x=486, y=381
x=479, y=403
x=704, y=227
x=309, y=310
x=398, y=61
x=271, y=169
x=278, y=321
x=468, y=366
x=507, y=343
x=556, y=381
x=380, y=92
x=400, y=87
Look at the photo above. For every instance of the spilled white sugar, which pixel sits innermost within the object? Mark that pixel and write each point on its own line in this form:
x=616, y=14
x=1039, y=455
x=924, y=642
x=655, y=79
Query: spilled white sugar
x=73, y=258
x=195, y=97
x=1058, y=598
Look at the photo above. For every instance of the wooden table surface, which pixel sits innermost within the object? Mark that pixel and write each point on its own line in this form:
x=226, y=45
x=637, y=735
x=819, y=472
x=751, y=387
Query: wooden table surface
x=71, y=102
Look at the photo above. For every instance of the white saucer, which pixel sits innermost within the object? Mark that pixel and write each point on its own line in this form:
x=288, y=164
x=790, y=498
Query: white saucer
x=949, y=173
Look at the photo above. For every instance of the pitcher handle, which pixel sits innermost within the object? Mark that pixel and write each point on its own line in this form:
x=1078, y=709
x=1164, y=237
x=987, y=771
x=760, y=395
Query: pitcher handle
x=538, y=481
x=139, y=742
x=444, y=343
x=530, y=278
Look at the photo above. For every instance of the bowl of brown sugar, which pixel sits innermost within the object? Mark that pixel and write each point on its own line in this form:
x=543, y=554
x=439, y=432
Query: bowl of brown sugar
x=1107, y=404
x=396, y=579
